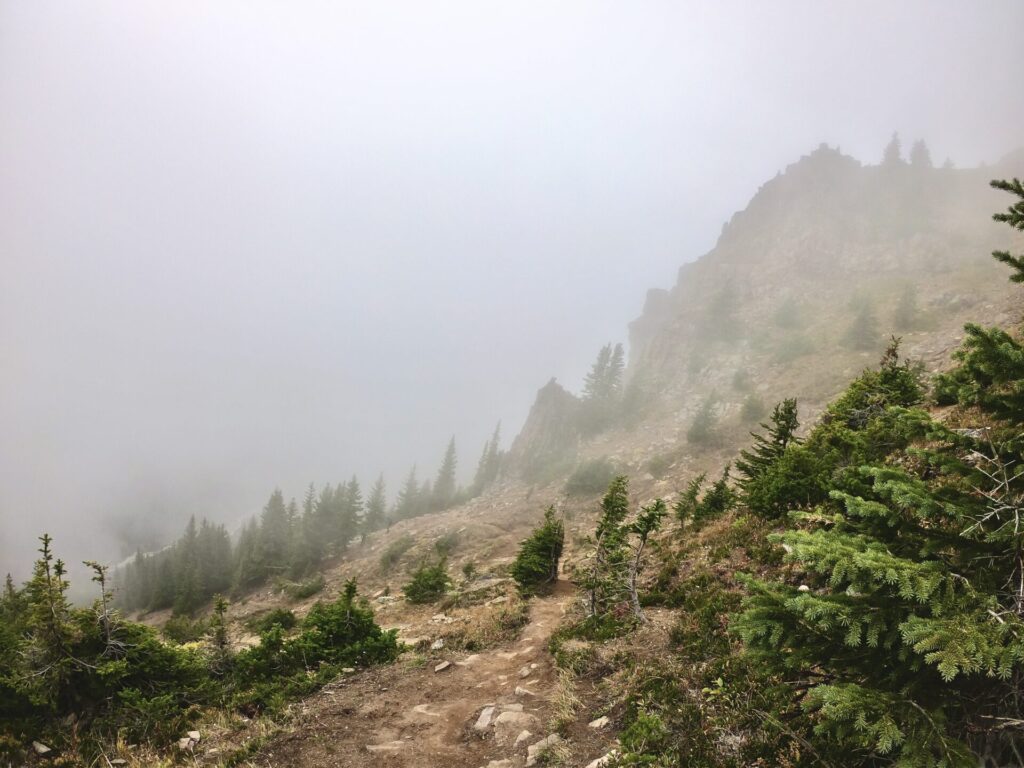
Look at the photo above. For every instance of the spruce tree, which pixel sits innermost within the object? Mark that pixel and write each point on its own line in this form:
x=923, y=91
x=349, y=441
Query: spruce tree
x=769, y=447
x=488, y=466
x=407, y=502
x=647, y=521
x=605, y=579
x=1014, y=216
x=892, y=156
x=444, y=485
x=920, y=156
x=376, y=507
x=907, y=633
x=535, y=568
x=863, y=334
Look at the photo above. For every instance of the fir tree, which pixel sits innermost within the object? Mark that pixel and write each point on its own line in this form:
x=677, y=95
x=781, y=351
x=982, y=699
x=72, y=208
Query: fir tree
x=906, y=314
x=535, y=568
x=407, y=502
x=376, y=507
x=702, y=429
x=647, y=521
x=605, y=579
x=1014, y=216
x=444, y=486
x=906, y=633
x=489, y=465
x=602, y=390
x=892, y=156
x=769, y=447
x=920, y=156
x=863, y=334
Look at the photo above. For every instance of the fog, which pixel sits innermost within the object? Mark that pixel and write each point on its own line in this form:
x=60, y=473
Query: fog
x=252, y=244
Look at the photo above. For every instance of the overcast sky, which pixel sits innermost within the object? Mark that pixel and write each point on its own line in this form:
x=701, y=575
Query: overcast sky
x=247, y=244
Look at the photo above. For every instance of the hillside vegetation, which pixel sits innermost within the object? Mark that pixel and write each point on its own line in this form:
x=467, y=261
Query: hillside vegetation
x=843, y=587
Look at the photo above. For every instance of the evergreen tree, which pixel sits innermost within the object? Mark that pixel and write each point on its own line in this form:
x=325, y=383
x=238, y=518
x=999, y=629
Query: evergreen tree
x=647, y=521
x=50, y=628
x=535, y=568
x=863, y=334
x=274, y=535
x=376, y=507
x=702, y=428
x=444, y=485
x=906, y=314
x=892, y=157
x=602, y=390
x=489, y=465
x=605, y=579
x=188, y=579
x=407, y=503
x=768, y=448
x=920, y=156
x=1014, y=216
x=908, y=631
x=247, y=569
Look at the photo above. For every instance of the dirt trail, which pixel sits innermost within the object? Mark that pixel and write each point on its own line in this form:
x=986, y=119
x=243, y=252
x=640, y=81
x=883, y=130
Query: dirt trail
x=413, y=717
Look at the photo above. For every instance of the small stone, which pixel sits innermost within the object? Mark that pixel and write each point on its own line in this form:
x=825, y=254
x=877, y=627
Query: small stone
x=438, y=617
x=499, y=764
x=600, y=723
x=525, y=671
x=348, y=670
x=523, y=736
x=442, y=666
x=803, y=588
x=520, y=691
x=119, y=761
x=40, y=748
x=195, y=736
x=483, y=722
x=437, y=645
x=185, y=743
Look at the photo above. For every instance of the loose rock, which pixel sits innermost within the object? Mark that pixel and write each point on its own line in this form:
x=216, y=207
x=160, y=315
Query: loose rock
x=535, y=751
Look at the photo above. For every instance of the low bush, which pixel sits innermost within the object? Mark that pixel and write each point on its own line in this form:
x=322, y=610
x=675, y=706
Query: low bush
x=590, y=478
x=429, y=583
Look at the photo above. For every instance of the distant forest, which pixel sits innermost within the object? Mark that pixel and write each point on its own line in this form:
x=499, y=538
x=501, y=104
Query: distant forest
x=286, y=541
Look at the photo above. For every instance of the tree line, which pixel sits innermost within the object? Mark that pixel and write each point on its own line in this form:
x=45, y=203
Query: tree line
x=289, y=541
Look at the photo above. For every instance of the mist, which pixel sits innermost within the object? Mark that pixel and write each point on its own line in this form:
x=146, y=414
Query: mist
x=254, y=245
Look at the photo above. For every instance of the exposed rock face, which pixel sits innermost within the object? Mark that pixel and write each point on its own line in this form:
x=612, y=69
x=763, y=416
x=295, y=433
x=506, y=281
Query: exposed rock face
x=549, y=438
x=817, y=235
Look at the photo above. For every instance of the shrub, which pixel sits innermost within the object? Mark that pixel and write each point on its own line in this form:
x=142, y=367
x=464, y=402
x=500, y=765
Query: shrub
x=278, y=617
x=702, y=429
x=304, y=589
x=182, y=629
x=590, y=477
x=445, y=545
x=536, y=565
x=429, y=583
x=394, y=551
